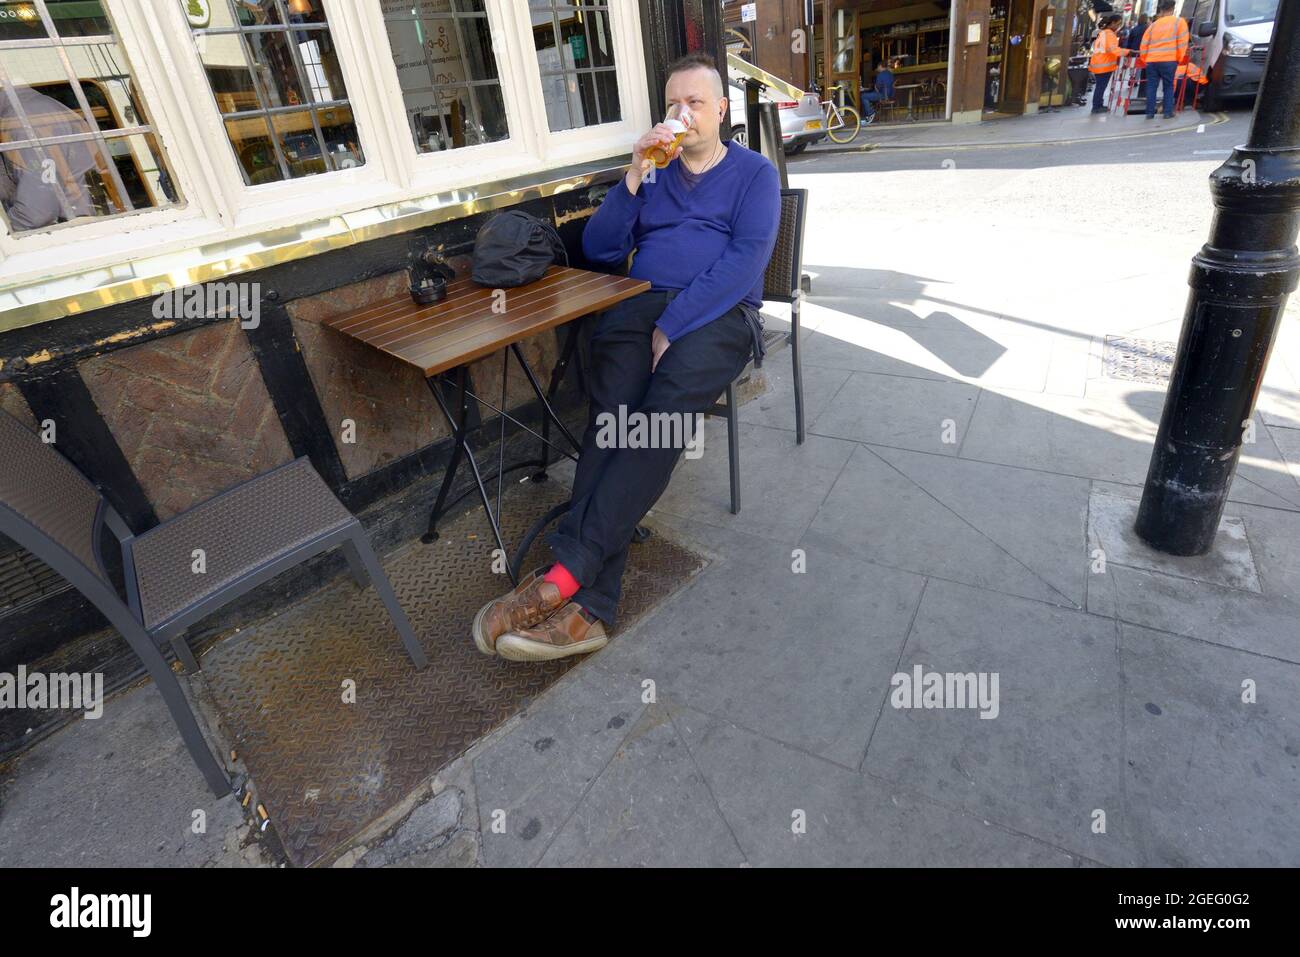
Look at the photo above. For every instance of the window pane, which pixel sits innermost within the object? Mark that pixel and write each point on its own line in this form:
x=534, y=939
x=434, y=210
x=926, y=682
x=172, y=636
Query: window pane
x=254, y=13
x=250, y=137
x=339, y=130
x=265, y=82
x=108, y=91
x=607, y=97
x=599, y=45
x=228, y=76
x=305, y=11
x=20, y=21
x=273, y=60
x=575, y=54
x=79, y=18
x=75, y=139
x=447, y=72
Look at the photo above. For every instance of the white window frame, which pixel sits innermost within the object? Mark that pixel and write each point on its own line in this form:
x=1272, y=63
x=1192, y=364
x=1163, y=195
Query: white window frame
x=531, y=145
x=33, y=245
x=591, y=142
x=217, y=204
x=292, y=199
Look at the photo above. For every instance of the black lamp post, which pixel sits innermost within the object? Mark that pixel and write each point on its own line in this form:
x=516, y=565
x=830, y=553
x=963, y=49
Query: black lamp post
x=1240, y=283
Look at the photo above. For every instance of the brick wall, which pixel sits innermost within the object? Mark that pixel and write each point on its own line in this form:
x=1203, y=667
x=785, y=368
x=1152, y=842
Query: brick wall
x=190, y=413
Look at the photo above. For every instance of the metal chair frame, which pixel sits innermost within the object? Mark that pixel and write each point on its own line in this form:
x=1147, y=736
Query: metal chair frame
x=128, y=618
x=782, y=282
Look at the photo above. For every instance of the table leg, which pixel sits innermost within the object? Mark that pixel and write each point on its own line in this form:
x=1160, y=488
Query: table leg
x=541, y=395
x=557, y=378
x=463, y=449
x=457, y=430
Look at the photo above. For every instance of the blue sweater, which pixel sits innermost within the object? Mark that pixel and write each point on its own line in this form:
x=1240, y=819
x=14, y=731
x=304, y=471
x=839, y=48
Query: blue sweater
x=712, y=242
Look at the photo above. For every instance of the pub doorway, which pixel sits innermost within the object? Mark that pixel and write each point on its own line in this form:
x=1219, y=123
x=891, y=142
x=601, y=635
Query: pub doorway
x=1011, y=34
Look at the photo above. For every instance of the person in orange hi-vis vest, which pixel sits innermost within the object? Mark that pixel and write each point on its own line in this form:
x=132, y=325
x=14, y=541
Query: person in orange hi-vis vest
x=1189, y=72
x=1164, y=46
x=1106, y=54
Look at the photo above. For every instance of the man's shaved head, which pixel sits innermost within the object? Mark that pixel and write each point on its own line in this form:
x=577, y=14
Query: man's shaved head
x=698, y=61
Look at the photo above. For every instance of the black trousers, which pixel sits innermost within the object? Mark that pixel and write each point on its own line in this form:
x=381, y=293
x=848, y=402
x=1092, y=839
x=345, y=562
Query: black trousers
x=613, y=488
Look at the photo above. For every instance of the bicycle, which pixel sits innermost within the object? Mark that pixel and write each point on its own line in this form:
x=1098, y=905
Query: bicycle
x=842, y=122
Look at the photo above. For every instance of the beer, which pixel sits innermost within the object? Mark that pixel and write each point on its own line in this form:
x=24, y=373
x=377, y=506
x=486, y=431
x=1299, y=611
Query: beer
x=680, y=121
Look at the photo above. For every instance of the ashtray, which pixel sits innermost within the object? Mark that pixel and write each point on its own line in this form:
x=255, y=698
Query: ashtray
x=429, y=291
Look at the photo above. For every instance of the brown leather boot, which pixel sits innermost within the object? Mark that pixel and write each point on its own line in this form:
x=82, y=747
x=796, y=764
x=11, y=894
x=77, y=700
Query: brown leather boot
x=530, y=602
x=570, y=631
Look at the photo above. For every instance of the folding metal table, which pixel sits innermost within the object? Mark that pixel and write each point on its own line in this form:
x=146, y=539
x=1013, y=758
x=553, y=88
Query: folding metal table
x=472, y=322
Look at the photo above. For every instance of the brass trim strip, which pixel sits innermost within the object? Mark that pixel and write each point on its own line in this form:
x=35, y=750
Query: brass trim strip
x=39, y=301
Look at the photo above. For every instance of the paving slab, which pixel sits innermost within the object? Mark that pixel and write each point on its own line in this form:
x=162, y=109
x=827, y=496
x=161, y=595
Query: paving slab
x=1211, y=779
x=650, y=807
x=1036, y=517
x=1106, y=435
x=1288, y=444
x=879, y=513
x=782, y=483
x=928, y=350
x=902, y=412
x=790, y=809
x=775, y=407
x=530, y=777
x=117, y=791
x=802, y=657
x=1050, y=758
x=1264, y=623
x=1110, y=528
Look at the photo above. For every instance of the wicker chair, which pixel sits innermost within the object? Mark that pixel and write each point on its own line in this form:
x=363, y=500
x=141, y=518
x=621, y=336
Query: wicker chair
x=781, y=283
x=247, y=535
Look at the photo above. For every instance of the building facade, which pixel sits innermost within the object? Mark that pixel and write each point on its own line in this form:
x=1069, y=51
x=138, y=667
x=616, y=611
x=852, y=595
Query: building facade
x=289, y=158
x=964, y=60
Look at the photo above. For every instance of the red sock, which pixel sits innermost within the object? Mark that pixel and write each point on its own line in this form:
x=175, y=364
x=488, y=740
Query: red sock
x=561, y=578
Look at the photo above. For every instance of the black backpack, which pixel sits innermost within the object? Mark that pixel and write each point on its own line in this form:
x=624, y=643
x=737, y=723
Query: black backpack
x=513, y=249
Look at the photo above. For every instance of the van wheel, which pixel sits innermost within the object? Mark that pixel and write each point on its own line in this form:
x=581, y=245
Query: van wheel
x=739, y=136
x=796, y=148
x=1211, y=99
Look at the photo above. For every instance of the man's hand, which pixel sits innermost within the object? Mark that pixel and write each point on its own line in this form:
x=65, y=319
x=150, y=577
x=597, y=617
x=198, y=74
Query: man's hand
x=660, y=135
x=658, y=346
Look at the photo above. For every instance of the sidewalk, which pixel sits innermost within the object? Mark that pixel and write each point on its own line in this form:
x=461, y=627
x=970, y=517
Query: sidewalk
x=1070, y=124
x=978, y=438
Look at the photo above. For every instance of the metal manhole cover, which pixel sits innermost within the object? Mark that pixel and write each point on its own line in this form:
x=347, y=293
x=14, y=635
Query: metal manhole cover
x=324, y=768
x=1139, y=360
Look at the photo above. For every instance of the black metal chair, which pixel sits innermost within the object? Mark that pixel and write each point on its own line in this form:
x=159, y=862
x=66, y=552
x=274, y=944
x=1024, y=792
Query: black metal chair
x=246, y=535
x=781, y=283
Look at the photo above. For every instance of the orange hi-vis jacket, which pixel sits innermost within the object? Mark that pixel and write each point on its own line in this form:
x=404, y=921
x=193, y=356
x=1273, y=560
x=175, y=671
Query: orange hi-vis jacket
x=1106, y=52
x=1166, y=41
x=1194, y=72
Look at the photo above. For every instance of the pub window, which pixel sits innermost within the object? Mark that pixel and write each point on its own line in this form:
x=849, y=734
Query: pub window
x=447, y=70
x=575, y=55
x=274, y=72
x=75, y=139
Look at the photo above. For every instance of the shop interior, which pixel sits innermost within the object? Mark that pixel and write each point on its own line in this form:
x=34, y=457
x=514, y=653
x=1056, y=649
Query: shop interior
x=912, y=38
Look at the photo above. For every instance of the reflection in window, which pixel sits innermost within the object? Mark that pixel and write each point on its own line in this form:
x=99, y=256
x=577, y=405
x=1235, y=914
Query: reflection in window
x=575, y=53
x=276, y=78
x=448, y=74
x=75, y=141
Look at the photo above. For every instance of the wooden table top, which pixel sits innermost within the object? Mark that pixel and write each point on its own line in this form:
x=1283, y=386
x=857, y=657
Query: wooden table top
x=463, y=327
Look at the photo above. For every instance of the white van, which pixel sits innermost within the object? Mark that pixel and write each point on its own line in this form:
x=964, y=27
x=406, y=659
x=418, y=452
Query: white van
x=1231, y=37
